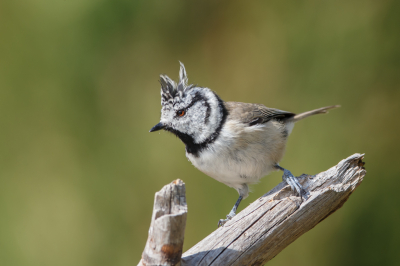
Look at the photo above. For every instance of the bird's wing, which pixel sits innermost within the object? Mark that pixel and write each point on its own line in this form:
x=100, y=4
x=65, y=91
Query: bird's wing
x=252, y=114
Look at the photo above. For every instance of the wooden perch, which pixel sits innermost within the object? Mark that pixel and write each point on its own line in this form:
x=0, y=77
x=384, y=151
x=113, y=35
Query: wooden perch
x=267, y=226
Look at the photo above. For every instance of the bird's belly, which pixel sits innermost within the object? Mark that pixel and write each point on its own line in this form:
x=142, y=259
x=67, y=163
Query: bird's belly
x=230, y=171
x=242, y=167
x=233, y=160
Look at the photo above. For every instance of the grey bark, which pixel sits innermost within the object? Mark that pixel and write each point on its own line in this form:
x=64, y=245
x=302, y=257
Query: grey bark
x=271, y=223
x=167, y=229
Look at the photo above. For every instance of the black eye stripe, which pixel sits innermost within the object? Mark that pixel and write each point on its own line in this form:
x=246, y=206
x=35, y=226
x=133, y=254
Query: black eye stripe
x=197, y=97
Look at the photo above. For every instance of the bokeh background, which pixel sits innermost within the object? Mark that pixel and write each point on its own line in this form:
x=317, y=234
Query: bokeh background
x=79, y=91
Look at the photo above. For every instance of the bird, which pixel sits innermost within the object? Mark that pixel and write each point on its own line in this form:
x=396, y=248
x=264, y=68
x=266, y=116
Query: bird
x=233, y=142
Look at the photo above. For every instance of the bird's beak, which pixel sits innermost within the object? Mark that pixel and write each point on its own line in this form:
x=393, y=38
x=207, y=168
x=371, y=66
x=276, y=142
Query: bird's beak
x=157, y=127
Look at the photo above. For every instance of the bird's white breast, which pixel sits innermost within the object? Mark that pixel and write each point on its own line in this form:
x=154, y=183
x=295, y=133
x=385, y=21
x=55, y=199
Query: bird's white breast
x=242, y=154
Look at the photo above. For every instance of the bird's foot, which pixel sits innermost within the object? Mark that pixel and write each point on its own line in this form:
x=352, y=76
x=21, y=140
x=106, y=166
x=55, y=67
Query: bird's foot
x=221, y=222
x=294, y=183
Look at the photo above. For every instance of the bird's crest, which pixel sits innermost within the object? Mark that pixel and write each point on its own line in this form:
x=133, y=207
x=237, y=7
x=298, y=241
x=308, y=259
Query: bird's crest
x=170, y=89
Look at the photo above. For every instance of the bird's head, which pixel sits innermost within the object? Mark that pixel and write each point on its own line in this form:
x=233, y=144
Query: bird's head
x=190, y=112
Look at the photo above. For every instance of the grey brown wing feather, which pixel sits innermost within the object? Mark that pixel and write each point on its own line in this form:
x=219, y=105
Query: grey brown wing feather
x=253, y=114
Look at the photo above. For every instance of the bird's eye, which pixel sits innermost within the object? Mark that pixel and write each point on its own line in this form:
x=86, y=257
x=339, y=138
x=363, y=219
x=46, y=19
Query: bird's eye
x=181, y=112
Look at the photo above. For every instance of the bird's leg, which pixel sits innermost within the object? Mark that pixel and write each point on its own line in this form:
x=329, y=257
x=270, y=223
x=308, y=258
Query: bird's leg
x=231, y=213
x=292, y=181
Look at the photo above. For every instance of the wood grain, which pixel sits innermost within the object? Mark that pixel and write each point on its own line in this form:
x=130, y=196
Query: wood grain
x=271, y=223
x=259, y=232
x=165, y=241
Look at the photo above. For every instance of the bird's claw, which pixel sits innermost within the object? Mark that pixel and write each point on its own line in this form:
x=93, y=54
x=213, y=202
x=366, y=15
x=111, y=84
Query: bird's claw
x=294, y=183
x=221, y=222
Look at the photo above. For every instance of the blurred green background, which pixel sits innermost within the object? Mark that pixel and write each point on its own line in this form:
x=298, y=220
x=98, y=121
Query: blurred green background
x=79, y=92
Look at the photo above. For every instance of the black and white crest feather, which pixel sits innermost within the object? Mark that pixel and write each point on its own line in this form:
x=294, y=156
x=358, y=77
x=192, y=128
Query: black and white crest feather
x=170, y=89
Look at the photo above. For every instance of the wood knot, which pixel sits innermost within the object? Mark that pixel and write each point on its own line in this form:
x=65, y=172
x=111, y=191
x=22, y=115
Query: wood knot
x=360, y=163
x=172, y=252
x=176, y=182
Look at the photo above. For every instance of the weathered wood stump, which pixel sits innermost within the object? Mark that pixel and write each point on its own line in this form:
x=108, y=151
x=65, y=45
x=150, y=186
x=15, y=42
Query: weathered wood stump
x=260, y=231
x=167, y=229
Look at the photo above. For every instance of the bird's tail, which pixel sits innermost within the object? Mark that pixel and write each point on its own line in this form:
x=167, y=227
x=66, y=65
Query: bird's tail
x=322, y=110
